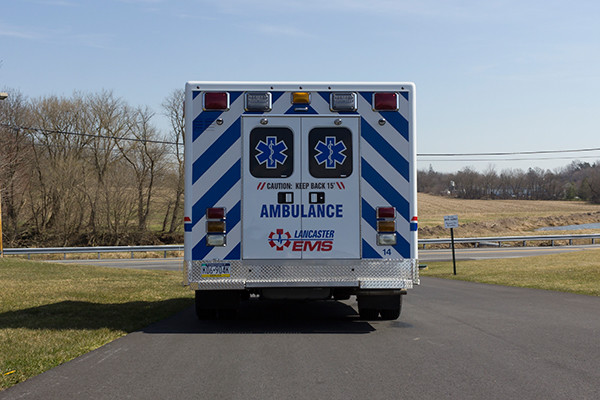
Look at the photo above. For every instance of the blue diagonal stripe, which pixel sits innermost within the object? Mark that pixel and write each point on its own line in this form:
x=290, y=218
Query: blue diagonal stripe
x=382, y=146
x=385, y=189
x=397, y=121
x=200, y=250
x=234, y=254
x=218, y=190
x=203, y=121
x=368, y=251
x=292, y=110
x=369, y=215
x=216, y=150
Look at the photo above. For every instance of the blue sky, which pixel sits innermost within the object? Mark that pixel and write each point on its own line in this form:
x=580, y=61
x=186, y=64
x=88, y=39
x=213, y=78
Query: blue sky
x=491, y=76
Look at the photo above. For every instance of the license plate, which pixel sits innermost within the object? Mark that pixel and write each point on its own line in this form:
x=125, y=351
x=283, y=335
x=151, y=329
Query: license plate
x=216, y=270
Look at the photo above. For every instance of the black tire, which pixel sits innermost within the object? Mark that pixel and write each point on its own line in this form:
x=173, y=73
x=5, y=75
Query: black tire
x=205, y=313
x=226, y=313
x=390, y=314
x=368, y=314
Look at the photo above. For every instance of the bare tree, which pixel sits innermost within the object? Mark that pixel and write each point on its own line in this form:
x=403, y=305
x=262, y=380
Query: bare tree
x=146, y=158
x=173, y=109
x=15, y=162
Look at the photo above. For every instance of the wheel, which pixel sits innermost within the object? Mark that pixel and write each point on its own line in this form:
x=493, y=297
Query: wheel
x=368, y=313
x=390, y=314
x=205, y=313
x=226, y=313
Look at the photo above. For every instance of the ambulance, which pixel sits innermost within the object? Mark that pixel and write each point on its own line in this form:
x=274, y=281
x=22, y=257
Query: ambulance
x=300, y=191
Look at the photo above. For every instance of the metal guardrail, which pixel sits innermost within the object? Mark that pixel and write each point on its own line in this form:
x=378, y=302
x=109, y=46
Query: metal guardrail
x=175, y=247
x=523, y=239
x=99, y=249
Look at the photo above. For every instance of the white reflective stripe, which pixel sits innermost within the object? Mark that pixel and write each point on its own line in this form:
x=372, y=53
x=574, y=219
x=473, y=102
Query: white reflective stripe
x=229, y=200
x=404, y=107
x=216, y=171
x=374, y=199
x=233, y=239
x=387, y=131
x=319, y=104
x=282, y=104
x=370, y=236
x=214, y=132
x=382, y=166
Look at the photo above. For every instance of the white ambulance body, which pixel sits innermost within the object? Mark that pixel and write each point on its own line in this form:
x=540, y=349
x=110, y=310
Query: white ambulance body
x=300, y=191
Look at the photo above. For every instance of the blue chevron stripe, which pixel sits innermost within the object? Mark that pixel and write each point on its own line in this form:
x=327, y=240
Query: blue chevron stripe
x=235, y=254
x=368, y=251
x=292, y=110
x=385, y=189
x=218, y=190
x=203, y=121
x=200, y=250
x=382, y=146
x=216, y=150
x=397, y=121
x=369, y=215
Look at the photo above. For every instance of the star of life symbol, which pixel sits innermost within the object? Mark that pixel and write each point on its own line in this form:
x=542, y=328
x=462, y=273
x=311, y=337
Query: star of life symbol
x=330, y=152
x=271, y=152
x=280, y=239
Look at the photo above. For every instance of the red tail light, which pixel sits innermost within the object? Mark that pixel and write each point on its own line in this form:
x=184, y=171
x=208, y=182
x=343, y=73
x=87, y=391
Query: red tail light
x=386, y=212
x=385, y=102
x=216, y=101
x=215, y=213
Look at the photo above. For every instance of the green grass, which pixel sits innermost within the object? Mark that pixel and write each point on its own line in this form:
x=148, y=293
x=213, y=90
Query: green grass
x=576, y=272
x=51, y=313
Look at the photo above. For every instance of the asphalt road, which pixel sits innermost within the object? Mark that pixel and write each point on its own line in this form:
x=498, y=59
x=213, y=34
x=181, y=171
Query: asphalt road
x=454, y=340
x=428, y=255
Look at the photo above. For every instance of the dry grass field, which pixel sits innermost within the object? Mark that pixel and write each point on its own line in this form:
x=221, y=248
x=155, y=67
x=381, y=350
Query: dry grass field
x=500, y=217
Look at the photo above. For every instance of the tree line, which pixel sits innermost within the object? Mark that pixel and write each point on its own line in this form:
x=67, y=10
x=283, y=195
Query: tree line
x=89, y=169
x=578, y=180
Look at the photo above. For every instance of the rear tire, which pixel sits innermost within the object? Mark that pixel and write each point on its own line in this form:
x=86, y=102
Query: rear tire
x=390, y=314
x=368, y=314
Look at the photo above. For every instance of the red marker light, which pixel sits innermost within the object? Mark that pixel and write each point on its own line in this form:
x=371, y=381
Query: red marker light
x=215, y=213
x=386, y=212
x=385, y=102
x=216, y=101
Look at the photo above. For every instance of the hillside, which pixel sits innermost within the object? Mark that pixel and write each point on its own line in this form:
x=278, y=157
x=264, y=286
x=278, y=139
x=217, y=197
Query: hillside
x=500, y=217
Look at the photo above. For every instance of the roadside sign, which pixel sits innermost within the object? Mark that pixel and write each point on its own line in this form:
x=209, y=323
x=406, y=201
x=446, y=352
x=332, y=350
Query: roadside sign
x=450, y=221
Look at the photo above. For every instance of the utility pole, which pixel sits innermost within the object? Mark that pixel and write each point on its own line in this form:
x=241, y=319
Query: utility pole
x=3, y=96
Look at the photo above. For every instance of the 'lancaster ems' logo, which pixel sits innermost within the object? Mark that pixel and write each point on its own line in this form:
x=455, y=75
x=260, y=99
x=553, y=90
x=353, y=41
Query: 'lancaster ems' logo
x=280, y=239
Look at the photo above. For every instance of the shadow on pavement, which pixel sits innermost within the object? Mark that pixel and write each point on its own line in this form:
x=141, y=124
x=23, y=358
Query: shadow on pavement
x=87, y=315
x=272, y=317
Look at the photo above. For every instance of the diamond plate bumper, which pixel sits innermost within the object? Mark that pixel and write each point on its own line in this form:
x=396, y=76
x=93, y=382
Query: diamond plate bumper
x=363, y=274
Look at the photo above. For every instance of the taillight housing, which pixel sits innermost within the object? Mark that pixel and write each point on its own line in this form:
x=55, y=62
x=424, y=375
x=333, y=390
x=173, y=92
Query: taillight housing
x=216, y=229
x=386, y=226
x=216, y=101
x=385, y=101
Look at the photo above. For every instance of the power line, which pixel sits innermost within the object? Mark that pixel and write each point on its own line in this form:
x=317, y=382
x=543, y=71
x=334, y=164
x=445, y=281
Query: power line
x=511, y=153
x=25, y=128
x=509, y=159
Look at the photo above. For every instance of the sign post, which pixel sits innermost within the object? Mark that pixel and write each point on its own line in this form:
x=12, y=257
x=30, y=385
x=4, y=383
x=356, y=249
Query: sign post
x=451, y=221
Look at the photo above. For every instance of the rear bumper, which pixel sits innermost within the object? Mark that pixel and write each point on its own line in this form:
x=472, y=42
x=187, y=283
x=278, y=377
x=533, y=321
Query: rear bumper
x=255, y=274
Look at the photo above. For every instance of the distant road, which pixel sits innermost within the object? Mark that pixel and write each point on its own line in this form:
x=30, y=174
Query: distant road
x=454, y=340
x=175, y=264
